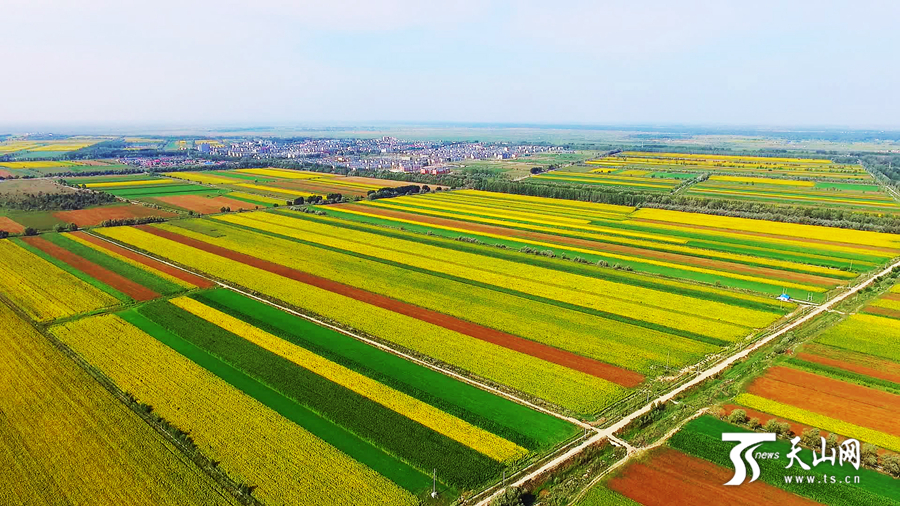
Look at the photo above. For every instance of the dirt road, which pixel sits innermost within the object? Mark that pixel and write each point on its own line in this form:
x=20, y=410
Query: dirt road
x=709, y=373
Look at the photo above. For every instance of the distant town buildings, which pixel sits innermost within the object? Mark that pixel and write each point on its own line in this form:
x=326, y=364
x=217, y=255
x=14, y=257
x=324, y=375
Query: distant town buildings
x=382, y=153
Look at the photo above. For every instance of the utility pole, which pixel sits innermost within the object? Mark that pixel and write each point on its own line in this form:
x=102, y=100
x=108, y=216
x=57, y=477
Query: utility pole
x=434, y=493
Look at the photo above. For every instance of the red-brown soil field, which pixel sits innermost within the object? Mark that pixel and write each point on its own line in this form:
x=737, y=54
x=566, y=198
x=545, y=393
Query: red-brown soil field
x=97, y=215
x=205, y=205
x=882, y=311
x=672, y=478
x=853, y=362
x=149, y=262
x=10, y=226
x=124, y=285
x=851, y=403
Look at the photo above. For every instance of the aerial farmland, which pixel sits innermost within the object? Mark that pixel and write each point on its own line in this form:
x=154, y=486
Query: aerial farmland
x=309, y=337
x=452, y=253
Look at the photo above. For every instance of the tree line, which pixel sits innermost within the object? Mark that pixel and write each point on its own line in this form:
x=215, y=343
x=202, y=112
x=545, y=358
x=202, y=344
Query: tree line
x=67, y=201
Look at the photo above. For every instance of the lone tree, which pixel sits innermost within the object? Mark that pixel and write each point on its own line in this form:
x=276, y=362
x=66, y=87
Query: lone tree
x=738, y=416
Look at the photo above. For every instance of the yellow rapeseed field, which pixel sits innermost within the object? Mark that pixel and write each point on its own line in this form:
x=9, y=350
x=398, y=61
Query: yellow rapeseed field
x=64, y=439
x=688, y=156
x=285, y=173
x=38, y=164
x=788, y=230
x=44, y=291
x=652, y=305
x=590, y=206
x=13, y=146
x=629, y=346
x=809, y=288
x=887, y=303
x=822, y=422
x=536, y=222
x=252, y=443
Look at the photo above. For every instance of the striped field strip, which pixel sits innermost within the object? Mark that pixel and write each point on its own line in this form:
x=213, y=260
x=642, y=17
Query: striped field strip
x=461, y=431
x=146, y=268
x=765, y=281
x=131, y=183
x=284, y=174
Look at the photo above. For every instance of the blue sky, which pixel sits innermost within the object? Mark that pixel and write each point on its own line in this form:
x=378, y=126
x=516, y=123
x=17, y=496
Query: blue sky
x=285, y=62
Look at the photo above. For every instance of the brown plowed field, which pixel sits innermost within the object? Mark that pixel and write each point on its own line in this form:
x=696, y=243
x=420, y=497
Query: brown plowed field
x=205, y=205
x=672, y=478
x=124, y=285
x=10, y=226
x=586, y=365
x=97, y=215
x=854, y=404
x=858, y=363
x=891, y=296
x=882, y=311
x=601, y=247
x=149, y=262
x=892, y=252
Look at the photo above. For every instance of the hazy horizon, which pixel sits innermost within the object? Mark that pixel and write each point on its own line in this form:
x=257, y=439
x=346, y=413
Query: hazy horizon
x=807, y=65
